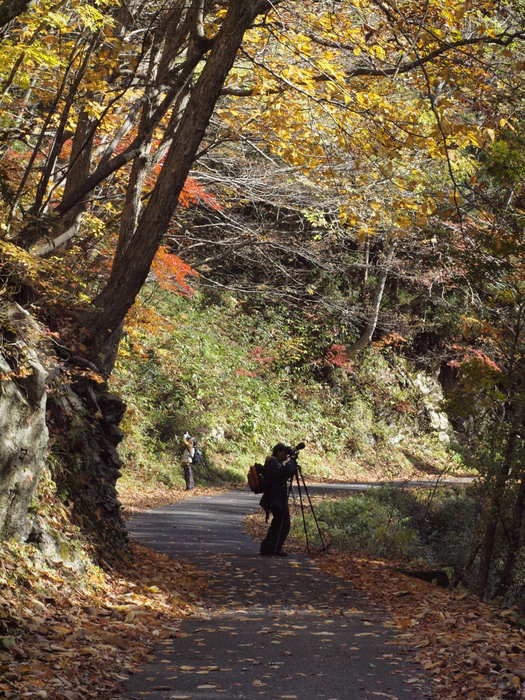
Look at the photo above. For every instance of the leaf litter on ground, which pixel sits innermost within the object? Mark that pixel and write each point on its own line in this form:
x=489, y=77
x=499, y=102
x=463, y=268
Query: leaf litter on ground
x=75, y=633
x=470, y=650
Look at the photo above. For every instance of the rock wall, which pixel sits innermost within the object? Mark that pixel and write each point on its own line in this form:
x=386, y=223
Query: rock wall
x=23, y=429
x=69, y=424
x=83, y=421
x=432, y=401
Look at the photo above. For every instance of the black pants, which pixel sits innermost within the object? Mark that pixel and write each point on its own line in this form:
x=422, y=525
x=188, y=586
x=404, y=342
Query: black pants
x=188, y=476
x=277, y=532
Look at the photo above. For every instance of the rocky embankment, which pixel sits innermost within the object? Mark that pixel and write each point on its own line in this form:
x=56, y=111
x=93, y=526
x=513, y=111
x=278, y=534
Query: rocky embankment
x=55, y=418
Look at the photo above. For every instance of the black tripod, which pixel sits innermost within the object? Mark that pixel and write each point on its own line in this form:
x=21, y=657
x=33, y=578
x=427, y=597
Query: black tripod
x=301, y=486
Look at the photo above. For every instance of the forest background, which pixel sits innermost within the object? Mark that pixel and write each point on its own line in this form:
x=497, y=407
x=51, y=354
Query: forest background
x=255, y=217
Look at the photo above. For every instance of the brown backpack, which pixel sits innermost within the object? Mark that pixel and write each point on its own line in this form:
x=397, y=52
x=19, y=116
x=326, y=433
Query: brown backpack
x=256, y=477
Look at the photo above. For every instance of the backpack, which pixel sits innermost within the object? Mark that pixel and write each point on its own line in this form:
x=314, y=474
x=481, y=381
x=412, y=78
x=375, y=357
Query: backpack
x=255, y=477
x=198, y=457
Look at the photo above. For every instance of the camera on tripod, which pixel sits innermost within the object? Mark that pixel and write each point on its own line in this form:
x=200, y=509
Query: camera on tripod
x=293, y=452
x=300, y=483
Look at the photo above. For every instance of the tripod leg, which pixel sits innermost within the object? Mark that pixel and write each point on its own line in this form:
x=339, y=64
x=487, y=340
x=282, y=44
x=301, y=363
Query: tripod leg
x=321, y=538
x=303, y=513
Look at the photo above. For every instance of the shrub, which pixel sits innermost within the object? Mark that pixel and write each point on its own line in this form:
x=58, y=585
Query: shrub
x=412, y=525
x=362, y=524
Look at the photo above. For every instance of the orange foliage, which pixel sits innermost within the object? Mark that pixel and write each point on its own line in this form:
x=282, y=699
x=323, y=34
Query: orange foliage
x=258, y=354
x=85, y=627
x=172, y=272
x=65, y=151
x=13, y=164
x=337, y=356
x=472, y=357
x=145, y=317
x=245, y=373
x=390, y=340
x=468, y=648
x=193, y=193
x=140, y=322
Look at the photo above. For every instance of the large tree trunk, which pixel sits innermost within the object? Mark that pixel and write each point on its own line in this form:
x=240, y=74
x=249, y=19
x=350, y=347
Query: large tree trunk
x=78, y=171
x=131, y=268
x=168, y=46
x=164, y=49
x=58, y=139
x=9, y=9
x=159, y=99
x=515, y=538
x=30, y=233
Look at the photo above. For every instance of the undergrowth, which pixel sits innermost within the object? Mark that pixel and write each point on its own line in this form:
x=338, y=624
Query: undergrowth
x=418, y=526
x=242, y=377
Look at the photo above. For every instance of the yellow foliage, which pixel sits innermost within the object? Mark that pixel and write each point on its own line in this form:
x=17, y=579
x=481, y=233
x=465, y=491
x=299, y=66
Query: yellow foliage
x=308, y=99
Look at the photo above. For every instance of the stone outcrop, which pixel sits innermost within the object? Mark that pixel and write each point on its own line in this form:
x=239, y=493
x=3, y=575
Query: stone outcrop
x=84, y=420
x=432, y=400
x=71, y=427
x=23, y=429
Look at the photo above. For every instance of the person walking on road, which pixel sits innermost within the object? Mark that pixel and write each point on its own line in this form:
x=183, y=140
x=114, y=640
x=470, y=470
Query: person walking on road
x=278, y=469
x=187, y=460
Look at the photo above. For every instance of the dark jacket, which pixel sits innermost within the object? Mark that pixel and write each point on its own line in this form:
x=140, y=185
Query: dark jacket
x=276, y=475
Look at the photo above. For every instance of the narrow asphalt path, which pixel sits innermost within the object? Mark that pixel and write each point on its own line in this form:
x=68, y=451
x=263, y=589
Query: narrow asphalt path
x=268, y=627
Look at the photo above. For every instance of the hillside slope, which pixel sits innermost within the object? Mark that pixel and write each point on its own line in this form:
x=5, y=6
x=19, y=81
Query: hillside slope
x=242, y=376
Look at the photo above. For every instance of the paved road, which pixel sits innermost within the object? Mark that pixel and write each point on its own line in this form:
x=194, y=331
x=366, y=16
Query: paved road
x=268, y=627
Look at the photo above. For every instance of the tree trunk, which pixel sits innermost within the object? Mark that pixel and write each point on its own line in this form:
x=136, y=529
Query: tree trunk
x=9, y=9
x=515, y=459
x=368, y=333
x=131, y=268
x=78, y=171
x=515, y=531
x=27, y=235
x=159, y=65
x=109, y=165
x=58, y=140
x=367, y=264
x=502, y=476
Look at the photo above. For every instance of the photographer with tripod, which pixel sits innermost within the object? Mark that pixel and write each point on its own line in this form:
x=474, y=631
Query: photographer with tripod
x=279, y=468
x=280, y=471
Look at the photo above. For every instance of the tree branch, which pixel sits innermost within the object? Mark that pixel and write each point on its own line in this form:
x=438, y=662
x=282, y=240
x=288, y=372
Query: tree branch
x=501, y=40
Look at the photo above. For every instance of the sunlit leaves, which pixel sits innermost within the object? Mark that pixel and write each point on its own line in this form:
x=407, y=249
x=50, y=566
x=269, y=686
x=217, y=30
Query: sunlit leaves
x=91, y=17
x=337, y=356
x=193, y=194
x=459, y=641
x=172, y=273
x=76, y=629
x=335, y=99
